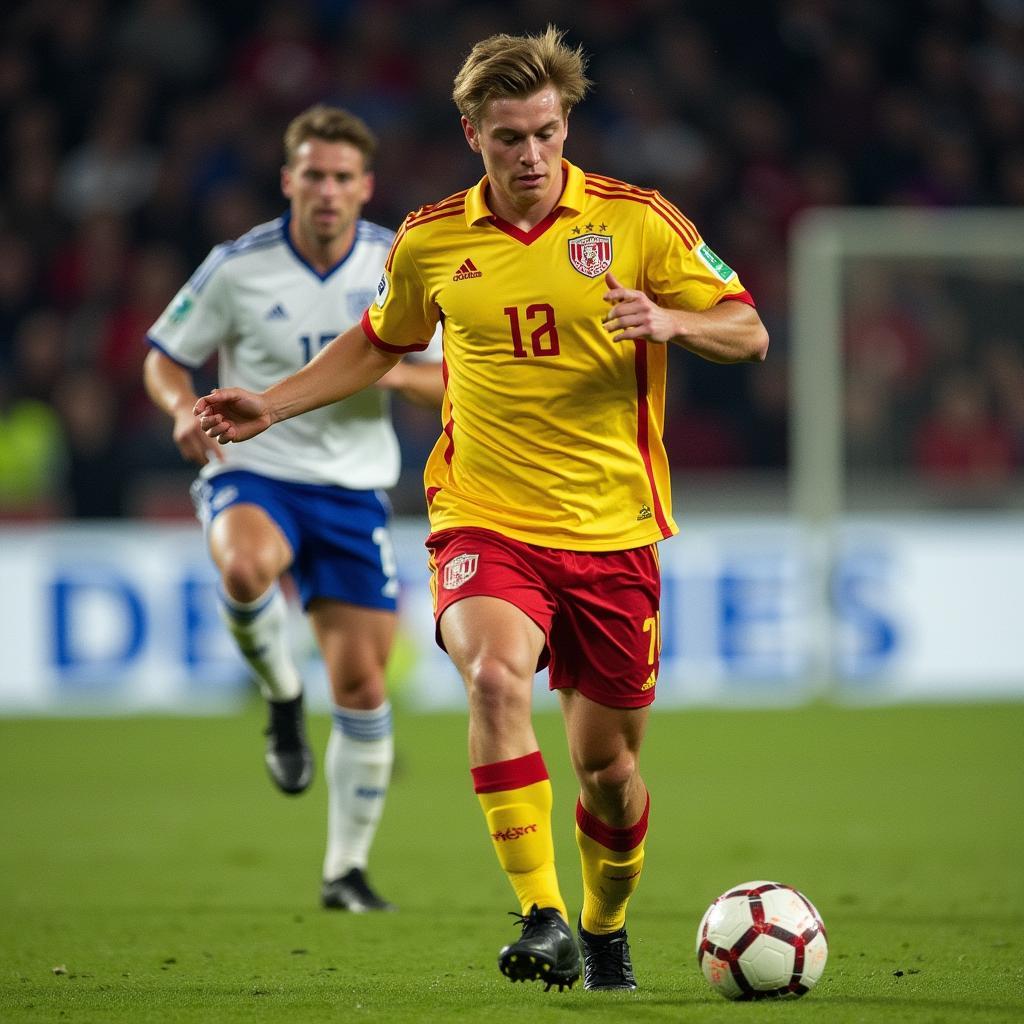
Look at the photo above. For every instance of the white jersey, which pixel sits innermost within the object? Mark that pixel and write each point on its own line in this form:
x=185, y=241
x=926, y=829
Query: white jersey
x=266, y=312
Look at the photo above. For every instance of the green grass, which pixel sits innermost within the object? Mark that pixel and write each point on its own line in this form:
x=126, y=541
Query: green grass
x=150, y=858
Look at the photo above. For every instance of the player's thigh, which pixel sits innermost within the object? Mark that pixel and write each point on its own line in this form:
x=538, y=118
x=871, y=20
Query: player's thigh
x=484, y=631
x=355, y=643
x=245, y=538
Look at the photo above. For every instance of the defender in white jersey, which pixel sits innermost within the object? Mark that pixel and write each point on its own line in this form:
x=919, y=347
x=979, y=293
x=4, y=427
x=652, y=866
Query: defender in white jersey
x=307, y=499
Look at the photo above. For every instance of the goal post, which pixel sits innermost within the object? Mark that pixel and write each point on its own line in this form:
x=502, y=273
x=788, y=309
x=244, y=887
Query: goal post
x=952, y=250
x=822, y=244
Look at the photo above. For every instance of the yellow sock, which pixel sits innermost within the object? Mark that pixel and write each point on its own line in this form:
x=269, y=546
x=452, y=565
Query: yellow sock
x=612, y=860
x=516, y=799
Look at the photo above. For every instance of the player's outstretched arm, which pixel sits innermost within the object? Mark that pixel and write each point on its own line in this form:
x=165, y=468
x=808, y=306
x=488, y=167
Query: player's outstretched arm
x=419, y=383
x=347, y=365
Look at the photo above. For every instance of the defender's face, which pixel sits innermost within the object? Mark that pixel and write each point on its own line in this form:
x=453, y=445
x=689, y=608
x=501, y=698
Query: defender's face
x=521, y=142
x=328, y=185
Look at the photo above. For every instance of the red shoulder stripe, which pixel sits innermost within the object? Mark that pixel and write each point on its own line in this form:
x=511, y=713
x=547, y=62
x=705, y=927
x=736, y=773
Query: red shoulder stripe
x=676, y=226
x=410, y=224
x=399, y=235
x=673, y=216
x=436, y=215
x=601, y=181
x=375, y=339
x=424, y=211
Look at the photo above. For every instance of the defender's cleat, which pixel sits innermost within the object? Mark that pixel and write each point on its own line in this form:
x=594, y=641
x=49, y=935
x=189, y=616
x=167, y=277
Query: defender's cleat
x=288, y=757
x=352, y=892
x=606, y=962
x=546, y=951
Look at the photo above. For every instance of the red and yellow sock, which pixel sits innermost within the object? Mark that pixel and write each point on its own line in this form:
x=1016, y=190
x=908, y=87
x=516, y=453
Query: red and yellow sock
x=516, y=799
x=612, y=860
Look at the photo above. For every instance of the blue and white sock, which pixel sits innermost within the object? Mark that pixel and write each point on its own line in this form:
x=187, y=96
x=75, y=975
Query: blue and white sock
x=261, y=632
x=360, y=753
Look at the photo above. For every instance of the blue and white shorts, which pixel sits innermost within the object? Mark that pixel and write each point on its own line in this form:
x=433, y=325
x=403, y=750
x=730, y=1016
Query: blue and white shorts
x=339, y=538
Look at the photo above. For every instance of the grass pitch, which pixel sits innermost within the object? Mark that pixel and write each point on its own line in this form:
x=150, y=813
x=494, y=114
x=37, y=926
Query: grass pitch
x=148, y=871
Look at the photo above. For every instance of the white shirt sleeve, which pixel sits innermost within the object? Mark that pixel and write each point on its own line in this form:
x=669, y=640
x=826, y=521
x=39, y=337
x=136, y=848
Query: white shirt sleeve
x=198, y=319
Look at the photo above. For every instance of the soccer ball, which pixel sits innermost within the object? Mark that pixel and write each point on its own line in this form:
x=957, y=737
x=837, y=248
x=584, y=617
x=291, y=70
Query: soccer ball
x=762, y=940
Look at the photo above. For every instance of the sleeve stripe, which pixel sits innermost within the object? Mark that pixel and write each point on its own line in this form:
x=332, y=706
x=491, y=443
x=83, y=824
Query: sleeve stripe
x=679, y=228
x=155, y=343
x=436, y=215
x=399, y=235
x=743, y=296
x=672, y=215
x=610, y=188
x=409, y=225
x=374, y=338
x=602, y=181
x=457, y=200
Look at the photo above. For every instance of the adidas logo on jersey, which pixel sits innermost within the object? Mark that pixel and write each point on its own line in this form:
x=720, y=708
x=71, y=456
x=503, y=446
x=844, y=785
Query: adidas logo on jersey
x=644, y=513
x=466, y=271
x=276, y=312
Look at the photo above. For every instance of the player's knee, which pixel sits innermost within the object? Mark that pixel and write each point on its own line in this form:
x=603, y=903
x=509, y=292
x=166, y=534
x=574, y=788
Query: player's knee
x=495, y=688
x=609, y=776
x=246, y=576
x=361, y=689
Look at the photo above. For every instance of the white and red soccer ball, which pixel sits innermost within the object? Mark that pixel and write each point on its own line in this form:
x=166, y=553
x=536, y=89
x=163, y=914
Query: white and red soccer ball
x=762, y=940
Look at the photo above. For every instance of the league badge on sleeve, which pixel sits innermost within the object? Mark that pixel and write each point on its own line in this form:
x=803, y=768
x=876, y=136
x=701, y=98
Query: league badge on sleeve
x=591, y=255
x=383, y=289
x=714, y=262
x=181, y=307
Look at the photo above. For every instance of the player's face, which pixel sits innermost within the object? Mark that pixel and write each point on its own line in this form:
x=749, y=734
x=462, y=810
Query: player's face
x=521, y=143
x=328, y=185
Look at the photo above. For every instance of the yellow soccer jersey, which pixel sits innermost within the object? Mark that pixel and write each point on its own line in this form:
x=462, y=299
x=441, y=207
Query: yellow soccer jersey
x=551, y=430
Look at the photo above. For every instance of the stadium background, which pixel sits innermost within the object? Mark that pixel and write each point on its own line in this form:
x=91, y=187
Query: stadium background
x=139, y=134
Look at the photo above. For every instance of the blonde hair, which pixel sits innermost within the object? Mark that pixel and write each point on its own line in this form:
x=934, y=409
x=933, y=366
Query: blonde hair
x=515, y=66
x=331, y=124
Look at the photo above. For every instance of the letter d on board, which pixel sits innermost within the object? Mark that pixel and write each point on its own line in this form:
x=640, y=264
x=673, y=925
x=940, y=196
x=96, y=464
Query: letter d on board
x=99, y=622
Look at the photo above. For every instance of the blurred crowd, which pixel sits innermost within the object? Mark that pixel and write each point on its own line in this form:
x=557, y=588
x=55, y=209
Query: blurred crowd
x=138, y=134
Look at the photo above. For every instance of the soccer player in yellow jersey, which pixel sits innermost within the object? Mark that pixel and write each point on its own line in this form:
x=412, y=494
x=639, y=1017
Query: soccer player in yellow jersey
x=559, y=293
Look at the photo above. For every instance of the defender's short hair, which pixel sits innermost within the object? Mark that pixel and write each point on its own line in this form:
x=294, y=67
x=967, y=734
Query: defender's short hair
x=331, y=124
x=514, y=66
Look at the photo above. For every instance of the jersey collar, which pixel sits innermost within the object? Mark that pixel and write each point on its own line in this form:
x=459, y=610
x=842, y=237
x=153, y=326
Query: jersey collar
x=572, y=198
x=286, y=232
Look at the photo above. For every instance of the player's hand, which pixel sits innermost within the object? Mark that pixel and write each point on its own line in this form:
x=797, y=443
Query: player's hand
x=634, y=315
x=193, y=444
x=232, y=414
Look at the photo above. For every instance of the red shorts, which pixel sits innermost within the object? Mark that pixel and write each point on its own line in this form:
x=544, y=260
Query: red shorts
x=598, y=610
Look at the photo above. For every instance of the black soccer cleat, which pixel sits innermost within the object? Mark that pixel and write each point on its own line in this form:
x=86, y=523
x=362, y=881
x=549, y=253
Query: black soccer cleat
x=546, y=951
x=606, y=962
x=288, y=757
x=351, y=891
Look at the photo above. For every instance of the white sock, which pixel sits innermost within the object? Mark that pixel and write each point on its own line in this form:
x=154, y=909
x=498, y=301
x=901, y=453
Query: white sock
x=260, y=629
x=360, y=753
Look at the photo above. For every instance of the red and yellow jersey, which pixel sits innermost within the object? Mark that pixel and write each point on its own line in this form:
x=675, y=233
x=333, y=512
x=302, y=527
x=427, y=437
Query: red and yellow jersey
x=551, y=430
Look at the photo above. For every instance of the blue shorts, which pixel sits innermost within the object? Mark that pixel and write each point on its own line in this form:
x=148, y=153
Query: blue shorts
x=341, y=548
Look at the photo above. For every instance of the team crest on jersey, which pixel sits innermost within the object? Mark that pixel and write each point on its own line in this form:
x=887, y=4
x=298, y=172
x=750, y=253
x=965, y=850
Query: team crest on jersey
x=591, y=255
x=358, y=301
x=459, y=570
